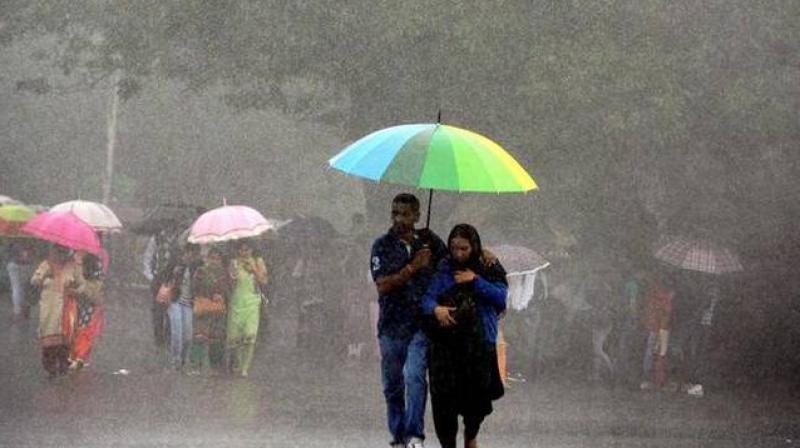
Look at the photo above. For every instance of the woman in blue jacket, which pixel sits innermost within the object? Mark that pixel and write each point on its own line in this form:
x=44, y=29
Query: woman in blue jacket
x=460, y=308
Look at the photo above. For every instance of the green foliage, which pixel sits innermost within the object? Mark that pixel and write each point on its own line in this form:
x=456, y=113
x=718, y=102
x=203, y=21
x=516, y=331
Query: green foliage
x=592, y=96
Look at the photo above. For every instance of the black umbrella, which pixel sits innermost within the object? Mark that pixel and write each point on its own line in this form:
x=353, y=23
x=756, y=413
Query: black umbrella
x=308, y=229
x=167, y=216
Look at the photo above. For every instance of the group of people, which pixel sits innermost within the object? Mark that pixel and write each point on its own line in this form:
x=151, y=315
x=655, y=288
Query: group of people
x=645, y=326
x=69, y=289
x=678, y=325
x=438, y=307
x=207, y=304
x=436, y=317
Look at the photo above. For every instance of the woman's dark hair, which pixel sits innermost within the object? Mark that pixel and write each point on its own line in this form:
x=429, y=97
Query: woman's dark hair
x=92, y=267
x=245, y=243
x=221, y=253
x=470, y=234
x=60, y=250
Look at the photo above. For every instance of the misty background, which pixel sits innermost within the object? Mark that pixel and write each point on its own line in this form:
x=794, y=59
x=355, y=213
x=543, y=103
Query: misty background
x=636, y=118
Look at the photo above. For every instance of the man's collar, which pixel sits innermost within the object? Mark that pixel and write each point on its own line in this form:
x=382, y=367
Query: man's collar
x=396, y=234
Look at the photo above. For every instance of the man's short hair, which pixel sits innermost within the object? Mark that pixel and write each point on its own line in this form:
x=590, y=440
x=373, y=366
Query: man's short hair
x=406, y=198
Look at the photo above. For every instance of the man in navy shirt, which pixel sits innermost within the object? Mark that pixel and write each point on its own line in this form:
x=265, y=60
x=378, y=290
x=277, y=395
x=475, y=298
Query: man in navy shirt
x=402, y=265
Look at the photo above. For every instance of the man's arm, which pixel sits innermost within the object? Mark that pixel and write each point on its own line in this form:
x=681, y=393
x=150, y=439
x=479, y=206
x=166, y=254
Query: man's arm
x=388, y=283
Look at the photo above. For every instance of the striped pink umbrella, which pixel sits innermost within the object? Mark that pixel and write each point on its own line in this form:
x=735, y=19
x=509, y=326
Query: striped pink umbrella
x=697, y=255
x=517, y=258
x=97, y=215
x=66, y=229
x=228, y=223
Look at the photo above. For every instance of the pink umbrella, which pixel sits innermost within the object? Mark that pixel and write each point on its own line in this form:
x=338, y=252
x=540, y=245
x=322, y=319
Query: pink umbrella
x=66, y=229
x=228, y=223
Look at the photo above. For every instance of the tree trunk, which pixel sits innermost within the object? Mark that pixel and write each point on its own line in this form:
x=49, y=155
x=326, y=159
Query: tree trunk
x=111, y=129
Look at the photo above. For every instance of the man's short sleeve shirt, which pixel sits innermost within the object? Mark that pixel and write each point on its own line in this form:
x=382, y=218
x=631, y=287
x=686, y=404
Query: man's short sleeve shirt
x=398, y=308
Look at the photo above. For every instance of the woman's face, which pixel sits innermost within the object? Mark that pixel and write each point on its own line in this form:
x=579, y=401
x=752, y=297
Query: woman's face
x=460, y=249
x=245, y=250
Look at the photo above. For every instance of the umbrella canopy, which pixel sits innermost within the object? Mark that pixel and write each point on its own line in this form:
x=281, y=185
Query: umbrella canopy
x=434, y=156
x=16, y=213
x=518, y=258
x=311, y=230
x=100, y=217
x=228, y=223
x=696, y=255
x=66, y=229
x=13, y=217
x=5, y=200
x=522, y=265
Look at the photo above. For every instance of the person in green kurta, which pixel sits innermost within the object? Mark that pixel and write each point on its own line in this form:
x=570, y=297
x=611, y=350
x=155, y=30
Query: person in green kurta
x=248, y=273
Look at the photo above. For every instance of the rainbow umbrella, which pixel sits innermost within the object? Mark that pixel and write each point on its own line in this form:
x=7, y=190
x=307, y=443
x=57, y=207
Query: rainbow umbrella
x=436, y=157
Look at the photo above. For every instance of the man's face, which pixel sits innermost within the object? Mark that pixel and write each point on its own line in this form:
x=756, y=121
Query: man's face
x=404, y=216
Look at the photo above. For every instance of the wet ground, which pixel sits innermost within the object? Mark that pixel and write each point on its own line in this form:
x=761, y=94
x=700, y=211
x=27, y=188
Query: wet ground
x=291, y=402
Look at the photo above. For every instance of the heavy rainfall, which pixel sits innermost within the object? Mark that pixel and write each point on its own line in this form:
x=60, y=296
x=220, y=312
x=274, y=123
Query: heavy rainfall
x=642, y=292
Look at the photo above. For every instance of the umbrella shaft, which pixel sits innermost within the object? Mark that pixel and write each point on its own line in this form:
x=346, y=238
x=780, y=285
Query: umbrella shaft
x=430, y=200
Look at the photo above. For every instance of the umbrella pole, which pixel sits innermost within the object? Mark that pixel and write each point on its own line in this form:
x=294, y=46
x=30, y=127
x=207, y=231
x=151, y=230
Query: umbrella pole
x=430, y=192
x=430, y=200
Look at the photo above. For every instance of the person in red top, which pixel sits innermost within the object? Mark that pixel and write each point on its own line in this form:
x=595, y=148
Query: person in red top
x=656, y=320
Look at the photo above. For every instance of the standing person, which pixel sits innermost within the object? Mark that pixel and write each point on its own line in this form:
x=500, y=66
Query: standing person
x=699, y=342
x=248, y=274
x=19, y=267
x=627, y=326
x=53, y=276
x=465, y=297
x=180, y=309
x=157, y=264
x=600, y=296
x=657, y=319
x=87, y=322
x=401, y=263
x=210, y=281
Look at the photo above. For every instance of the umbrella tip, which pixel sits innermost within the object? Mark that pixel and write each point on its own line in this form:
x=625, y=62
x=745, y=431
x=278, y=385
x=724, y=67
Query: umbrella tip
x=224, y=201
x=439, y=116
